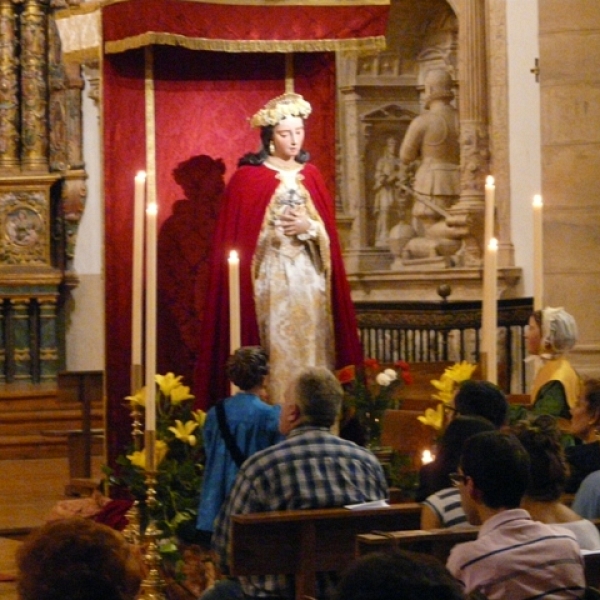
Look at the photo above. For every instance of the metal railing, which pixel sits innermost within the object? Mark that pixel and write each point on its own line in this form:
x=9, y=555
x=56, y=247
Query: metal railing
x=446, y=331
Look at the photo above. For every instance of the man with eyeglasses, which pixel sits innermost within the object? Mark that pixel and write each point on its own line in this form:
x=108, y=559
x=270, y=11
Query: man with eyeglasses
x=513, y=556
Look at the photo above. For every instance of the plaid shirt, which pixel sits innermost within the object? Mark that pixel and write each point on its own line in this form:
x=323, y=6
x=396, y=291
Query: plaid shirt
x=310, y=469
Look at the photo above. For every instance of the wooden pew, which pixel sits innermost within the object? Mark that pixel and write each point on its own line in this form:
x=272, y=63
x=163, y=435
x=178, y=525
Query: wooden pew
x=304, y=542
x=439, y=543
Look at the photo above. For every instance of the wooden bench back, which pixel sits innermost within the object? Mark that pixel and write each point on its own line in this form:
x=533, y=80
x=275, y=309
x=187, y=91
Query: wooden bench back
x=304, y=542
x=439, y=543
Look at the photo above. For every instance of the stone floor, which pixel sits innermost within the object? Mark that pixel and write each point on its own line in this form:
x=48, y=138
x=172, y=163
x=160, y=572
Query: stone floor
x=29, y=491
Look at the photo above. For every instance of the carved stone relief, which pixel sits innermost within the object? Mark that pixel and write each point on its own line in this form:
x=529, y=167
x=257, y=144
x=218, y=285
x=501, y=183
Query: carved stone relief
x=379, y=95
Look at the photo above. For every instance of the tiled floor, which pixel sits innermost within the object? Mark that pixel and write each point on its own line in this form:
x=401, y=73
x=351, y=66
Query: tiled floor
x=29, y=491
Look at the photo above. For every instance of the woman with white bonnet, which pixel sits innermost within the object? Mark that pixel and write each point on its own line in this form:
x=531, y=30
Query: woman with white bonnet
x=552, y=332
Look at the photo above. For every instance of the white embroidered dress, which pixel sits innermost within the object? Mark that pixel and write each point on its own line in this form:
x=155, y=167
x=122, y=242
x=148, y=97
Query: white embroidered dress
x=291, y=287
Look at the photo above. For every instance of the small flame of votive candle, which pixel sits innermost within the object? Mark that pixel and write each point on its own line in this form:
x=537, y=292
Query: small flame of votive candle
x=427, y=457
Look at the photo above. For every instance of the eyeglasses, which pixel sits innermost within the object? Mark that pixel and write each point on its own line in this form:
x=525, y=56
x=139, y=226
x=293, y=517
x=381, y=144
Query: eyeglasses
x=458, y=478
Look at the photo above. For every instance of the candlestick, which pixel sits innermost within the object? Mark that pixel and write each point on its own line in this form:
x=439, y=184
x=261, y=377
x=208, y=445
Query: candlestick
x=490, y=209
x=538, y=258
x=151, y=213
x=234, y=302
x=137, y=277
x=492, y=310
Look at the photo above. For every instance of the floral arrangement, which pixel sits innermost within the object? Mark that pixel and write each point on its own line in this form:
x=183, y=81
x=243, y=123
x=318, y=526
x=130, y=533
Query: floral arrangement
x=446, y=387
x=179, y=461
x=370, y=391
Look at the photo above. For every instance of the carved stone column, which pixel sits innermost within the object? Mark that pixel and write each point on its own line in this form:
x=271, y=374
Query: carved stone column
x=34, y=86
x=473, y=125
x=9, y=101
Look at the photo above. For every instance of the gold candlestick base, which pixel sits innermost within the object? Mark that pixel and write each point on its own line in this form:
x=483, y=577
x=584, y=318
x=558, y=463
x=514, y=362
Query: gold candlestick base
x=153, y=586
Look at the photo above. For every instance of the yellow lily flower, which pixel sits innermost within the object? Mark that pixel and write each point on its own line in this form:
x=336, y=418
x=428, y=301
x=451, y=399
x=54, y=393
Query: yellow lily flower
x=138, y=458
x=167, y=382
x=138, y=399
x=183, y=432
x=180, y=393
x=433, y=417
x=200, y=417
x=445, y=387
x=460, y=371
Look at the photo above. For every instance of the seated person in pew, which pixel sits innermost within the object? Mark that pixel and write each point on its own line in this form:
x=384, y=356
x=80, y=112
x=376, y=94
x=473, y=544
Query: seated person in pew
x=77, y=558
x=398, y=575
x=513, y=557
x=584, y=456
x=587, y=499
x=312, y=468
x=472, y=399
x=548, y=473
x=442, y=508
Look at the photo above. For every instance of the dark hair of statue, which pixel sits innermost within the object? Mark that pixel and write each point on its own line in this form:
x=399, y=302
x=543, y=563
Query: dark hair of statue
x=548, y=472
x=498, y=464
x=247, y=367
x=256, y=159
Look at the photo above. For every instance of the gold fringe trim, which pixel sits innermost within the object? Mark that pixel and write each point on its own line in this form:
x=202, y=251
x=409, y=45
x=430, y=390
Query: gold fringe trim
x=357, y=45
x=355, y=3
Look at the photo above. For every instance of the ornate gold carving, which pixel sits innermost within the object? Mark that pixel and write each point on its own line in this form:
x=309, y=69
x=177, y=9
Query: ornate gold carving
x=58, y=103
x=34, y=88
x=9, y=101
x=24, y=228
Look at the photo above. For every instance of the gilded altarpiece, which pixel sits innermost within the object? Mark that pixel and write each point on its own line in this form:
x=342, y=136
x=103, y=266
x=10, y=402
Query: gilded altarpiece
x=42, y=190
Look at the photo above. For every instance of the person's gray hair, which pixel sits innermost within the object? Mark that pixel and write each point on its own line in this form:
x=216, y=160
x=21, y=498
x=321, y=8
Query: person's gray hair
x=319, y=396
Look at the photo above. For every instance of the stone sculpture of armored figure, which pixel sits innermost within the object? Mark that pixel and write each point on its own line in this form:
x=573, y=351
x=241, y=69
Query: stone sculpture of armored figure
x=433, y=139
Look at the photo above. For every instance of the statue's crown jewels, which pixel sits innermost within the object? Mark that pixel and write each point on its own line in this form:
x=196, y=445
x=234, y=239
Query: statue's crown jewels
x=287, y=105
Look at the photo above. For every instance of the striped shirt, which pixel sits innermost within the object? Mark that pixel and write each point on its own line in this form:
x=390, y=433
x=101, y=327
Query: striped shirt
x=516, y=558
x=446, y=505
x=310, y=469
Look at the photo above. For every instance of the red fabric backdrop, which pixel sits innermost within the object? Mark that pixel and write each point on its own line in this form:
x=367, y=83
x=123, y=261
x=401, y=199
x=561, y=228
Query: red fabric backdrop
x=203, y=100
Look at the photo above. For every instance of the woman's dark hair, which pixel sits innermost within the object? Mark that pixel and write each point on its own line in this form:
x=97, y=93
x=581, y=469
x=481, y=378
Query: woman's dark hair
x=255, y=159
x=541, y=438
x=397, y=575
x=459, y=430
x=482, y=399
x=247, y=367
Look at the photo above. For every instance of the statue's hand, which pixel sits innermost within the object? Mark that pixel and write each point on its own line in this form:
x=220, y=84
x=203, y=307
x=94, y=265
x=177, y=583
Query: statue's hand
x=293, y=223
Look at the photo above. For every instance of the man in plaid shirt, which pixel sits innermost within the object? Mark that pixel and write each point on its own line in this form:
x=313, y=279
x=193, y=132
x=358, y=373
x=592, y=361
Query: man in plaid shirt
x=312, y=468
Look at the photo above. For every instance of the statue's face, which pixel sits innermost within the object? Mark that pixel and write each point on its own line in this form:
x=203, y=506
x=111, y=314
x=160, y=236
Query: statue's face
x=288, y=138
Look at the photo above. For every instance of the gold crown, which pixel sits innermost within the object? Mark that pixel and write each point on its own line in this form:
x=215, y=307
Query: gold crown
x=274, y=111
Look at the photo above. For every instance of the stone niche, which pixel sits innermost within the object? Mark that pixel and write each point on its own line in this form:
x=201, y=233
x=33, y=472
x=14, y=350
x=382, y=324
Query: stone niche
x=378, y=97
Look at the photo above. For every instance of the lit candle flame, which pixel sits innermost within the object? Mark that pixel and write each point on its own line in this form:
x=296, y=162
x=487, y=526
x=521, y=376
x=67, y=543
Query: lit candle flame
x=427, y=457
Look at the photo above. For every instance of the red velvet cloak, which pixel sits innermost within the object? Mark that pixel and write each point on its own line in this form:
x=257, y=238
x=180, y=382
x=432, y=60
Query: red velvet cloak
x=246, y=199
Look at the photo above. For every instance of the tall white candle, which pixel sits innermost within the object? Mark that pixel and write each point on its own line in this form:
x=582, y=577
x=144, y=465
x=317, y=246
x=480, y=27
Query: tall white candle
x=137, y=275
x=151, y=214
x=538, y=257
x=492, y=312
x=234, y=302
x=490, y=209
